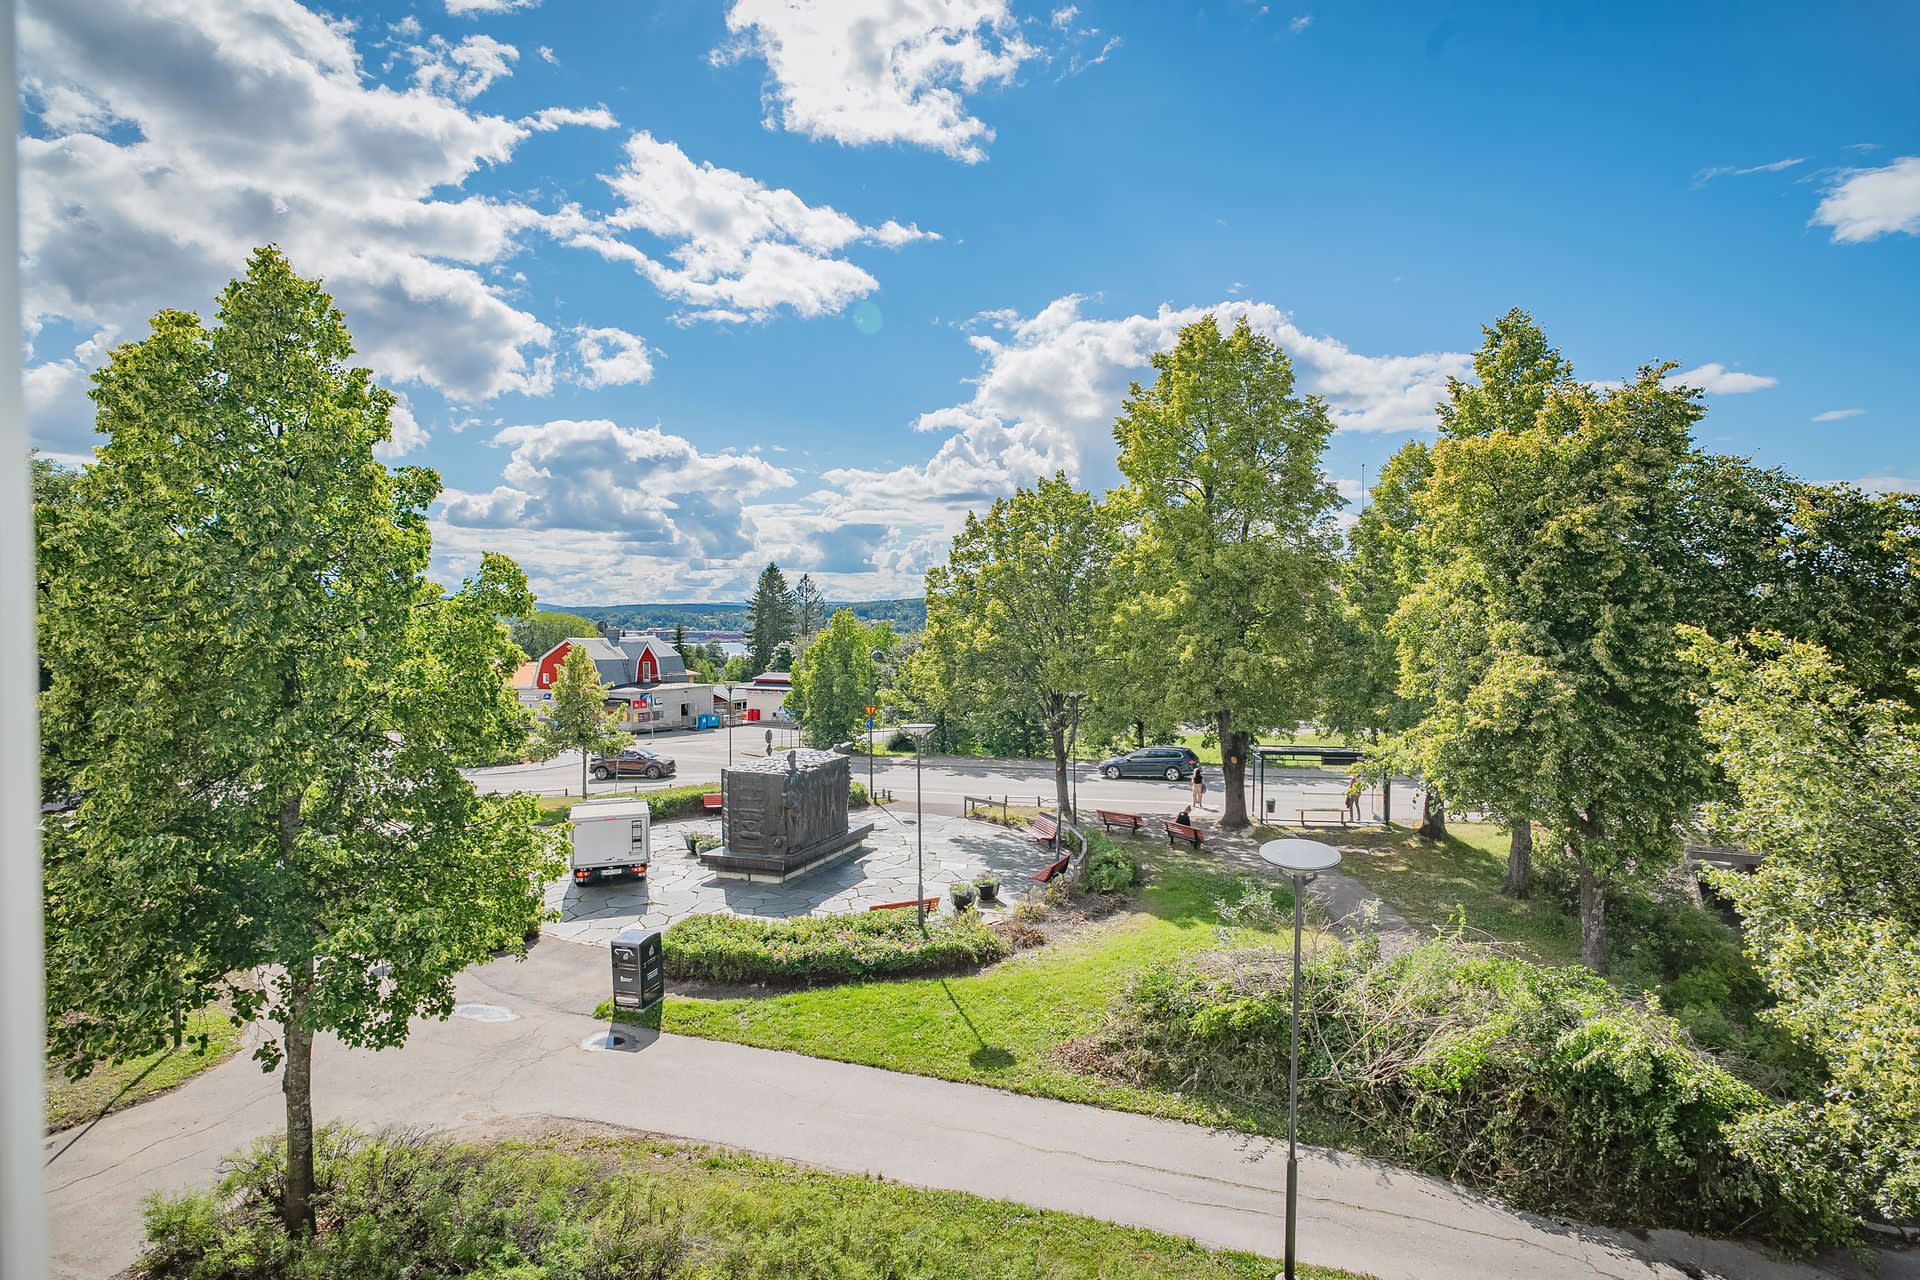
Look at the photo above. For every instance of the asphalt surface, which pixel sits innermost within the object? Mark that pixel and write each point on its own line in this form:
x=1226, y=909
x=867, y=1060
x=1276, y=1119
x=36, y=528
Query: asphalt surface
x=521, y=1051
x=945, y=781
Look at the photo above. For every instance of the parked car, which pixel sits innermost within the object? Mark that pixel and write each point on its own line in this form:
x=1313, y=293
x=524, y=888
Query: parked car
x=636, y=762
x=1171, y=763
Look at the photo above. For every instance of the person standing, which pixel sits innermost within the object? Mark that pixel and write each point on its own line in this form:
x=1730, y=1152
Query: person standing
x=1356, y=787
x=1199, y=788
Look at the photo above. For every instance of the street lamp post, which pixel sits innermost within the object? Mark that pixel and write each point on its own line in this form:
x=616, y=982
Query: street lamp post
x=1073, y=734
x=1301, y=860
x=874, y=660
x=918, y=732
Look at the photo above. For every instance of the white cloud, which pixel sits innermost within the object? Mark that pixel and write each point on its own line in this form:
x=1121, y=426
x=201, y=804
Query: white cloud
x=468, y=8
x=1867, y=203
x=168, y=138
x=655, y=492
x=739, y=250
x=867, y=71
x=1717, y=380
x=407, y=436
x=1705, y=176
x=461, y=70
x=612, y=357
x=1062, y=18
x=549, y=119
x=547, y=55
x=1888, y=484
x=1049, y=388
x=1300, y=24
x=1836, y=415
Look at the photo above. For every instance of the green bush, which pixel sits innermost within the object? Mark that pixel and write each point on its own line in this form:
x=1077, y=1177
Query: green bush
x=1541, y=1085
x=857, y=797
x=809, y=950
x=1110, y=866
x=900, y=741
x=680, y=802
x=398, y=1206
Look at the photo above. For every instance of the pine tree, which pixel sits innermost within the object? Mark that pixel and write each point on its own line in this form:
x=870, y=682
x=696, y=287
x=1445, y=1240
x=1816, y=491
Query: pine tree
x=769, y=618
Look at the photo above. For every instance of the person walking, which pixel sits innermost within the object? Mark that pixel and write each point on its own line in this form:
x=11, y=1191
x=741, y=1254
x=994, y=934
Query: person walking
x=1199, y=788
x=1356, y=787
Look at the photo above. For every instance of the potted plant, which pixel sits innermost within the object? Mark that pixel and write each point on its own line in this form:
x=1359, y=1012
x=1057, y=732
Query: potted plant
x=987, y=885
x=962, y=895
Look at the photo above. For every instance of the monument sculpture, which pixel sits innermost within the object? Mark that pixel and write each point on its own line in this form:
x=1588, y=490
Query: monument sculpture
x=784, y=815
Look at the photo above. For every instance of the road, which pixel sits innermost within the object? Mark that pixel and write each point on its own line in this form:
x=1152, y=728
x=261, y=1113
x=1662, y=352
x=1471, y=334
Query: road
x=946, y=780
x=524, y=1054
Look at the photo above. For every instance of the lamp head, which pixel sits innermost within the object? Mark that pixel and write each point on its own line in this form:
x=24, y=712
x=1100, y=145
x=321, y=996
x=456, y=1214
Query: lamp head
x=1300, y=857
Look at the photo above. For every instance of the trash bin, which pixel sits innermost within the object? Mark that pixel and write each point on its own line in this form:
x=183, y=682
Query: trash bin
x=639, y=969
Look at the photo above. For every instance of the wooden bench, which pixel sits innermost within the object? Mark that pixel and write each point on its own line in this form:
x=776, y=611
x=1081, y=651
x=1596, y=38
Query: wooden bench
x=931, y=904
x=1341, y=814
x=1052, y=869
x=1044, y=831
x=711, y=802
x=1181, y=831
x=1112, y=818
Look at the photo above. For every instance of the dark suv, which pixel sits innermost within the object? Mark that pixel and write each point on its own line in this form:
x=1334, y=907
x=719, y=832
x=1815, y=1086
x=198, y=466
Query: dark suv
x=637, y=762
x=1171, y=763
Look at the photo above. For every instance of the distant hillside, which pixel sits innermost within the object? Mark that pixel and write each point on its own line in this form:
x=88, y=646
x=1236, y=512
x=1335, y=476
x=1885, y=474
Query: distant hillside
x=908, y=614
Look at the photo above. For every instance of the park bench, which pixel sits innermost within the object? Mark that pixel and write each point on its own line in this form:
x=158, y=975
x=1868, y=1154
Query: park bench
x=931, y=904
x=1112, y=818
x=1181, y=831
x=1341, y=814
x=1044, y=831
x=711, y=802
x=1052, y=869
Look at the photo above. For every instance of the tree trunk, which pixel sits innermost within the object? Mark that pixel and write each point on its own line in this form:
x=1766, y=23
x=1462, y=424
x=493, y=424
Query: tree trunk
x=296, y=1081
x=583, y=772
x=1519, y=861
x=1233, y=774
x=1593, y=917
x=1433, y=816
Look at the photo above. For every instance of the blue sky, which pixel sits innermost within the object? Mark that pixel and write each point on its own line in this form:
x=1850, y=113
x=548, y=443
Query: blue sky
x=674, y=289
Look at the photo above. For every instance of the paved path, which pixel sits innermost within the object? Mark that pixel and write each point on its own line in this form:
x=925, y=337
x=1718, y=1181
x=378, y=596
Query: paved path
x=882, y=870
x=478, y=1072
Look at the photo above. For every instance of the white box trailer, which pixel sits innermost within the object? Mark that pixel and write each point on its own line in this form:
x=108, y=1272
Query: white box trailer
x=610, y=838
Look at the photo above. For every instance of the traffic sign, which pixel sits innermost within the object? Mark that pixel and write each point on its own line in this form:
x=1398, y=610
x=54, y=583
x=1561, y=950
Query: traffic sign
x=872, y=711
x=869, y=723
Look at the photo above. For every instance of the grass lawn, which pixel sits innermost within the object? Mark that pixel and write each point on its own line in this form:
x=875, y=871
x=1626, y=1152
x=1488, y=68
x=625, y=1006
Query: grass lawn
x=999, y=1027
x=71, y=1102
x=559, y=1203
x=1435, y=883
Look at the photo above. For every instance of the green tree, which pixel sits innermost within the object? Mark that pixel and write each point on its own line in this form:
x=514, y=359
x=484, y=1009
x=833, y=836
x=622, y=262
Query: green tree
x=577, y=719
x=1826, y=783
x=769, y=618
x=539, y=631
x=1018, y=612
x=735, y=671
x=261, y=704
x=1229, y=541
x=680, y=639
x=1541, y=636
x=809, y=608
x=830, y=679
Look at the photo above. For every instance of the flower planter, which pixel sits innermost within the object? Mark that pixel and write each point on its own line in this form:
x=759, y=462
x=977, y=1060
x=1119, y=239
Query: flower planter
x=962, y=896
x=989, y=890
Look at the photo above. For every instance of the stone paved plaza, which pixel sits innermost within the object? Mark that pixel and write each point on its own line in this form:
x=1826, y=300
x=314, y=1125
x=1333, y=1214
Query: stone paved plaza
x=881, y=870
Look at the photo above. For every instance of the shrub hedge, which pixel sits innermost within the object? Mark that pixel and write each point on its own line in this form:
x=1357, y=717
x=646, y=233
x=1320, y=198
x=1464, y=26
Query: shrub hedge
x=1110, y=866
x=406, y=1207
x=810, y=950
x=1542, y=1085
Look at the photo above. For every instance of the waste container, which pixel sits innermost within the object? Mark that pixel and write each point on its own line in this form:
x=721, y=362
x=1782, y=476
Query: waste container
x=639, y=969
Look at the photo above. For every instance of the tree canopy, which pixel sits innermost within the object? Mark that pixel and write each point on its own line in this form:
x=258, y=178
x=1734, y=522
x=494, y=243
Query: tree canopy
x=1227, y=543
x=577, y=719
x=1018, y=612
x=542, y=629
x=1825, y=782
x=260, y=704
x=769, y=618
x=833, y=679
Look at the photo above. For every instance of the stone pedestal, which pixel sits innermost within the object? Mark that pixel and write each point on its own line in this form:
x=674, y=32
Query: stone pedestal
x=784, y=815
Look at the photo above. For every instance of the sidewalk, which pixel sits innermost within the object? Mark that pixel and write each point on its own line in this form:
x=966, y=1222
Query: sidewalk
x=474, y=1074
